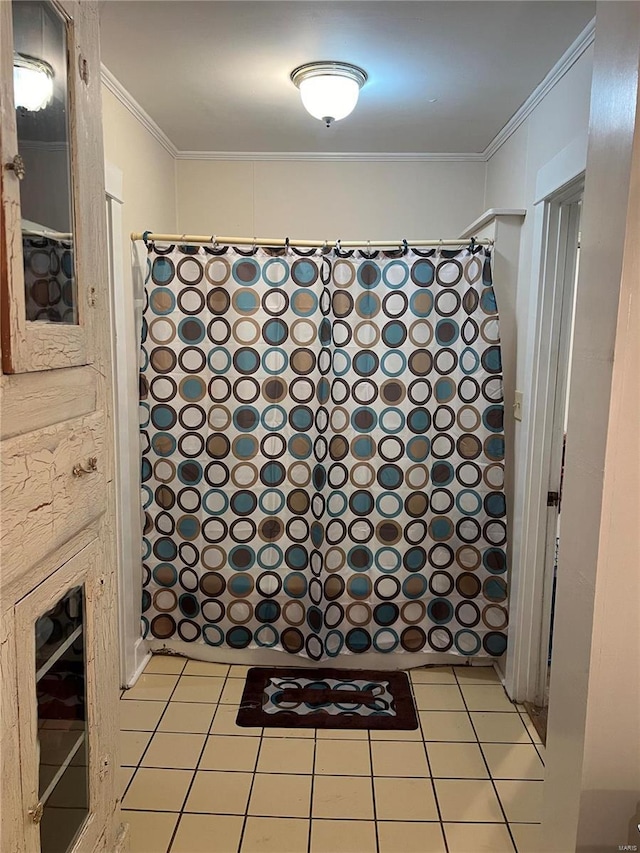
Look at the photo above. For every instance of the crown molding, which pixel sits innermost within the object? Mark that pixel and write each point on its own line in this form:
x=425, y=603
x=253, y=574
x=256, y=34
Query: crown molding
x=332, y=156
x=566, y=61
x=112, y=83
x=127, y=100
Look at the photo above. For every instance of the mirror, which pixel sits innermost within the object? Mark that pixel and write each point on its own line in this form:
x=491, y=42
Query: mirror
x=41, y=90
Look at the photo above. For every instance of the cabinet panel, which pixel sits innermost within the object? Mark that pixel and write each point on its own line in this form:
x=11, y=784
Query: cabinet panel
x=53, y=485
x=49, y=325
x=66, y=735
x=11, y=825
x=61, y=396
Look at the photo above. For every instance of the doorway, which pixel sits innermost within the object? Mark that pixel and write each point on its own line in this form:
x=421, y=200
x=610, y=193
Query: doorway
x=560, y=273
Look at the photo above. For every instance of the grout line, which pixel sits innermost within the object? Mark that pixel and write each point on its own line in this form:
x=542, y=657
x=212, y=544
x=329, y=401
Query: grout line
x=195, y=769
x=153, y=732
x=541, y=756
x=355, y=775
x=491, y=779
x=373, y=791
x=217, y=706
x=313, y=780
x=524, y=716
x=253, y=779
x=340, y=819
x=433, y=784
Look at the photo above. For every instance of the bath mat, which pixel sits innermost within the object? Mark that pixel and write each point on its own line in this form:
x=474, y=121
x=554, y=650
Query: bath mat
x=327, y=699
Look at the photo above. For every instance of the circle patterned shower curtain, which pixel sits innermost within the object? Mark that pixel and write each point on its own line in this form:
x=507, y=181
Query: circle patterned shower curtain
x=322, y=451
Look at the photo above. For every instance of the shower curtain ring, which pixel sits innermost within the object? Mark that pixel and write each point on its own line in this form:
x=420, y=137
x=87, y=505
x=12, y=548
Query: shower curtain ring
x=286, y=244
x=405, y=247
x=369, y=248
x=338, y=245
x=253, y=245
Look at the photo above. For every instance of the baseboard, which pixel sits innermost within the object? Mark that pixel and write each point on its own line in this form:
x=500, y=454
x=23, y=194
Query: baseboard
x=271, y=657
x=141, y=655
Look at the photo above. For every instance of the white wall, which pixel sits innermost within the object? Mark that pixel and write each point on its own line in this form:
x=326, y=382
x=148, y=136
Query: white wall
x=559, y=120
x=147, y=173
x=148, y=169
x=556, y=131
x=318, y=200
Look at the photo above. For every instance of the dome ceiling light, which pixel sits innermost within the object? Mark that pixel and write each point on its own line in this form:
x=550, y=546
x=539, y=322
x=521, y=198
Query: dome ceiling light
x=329, y=90
x=32, y=82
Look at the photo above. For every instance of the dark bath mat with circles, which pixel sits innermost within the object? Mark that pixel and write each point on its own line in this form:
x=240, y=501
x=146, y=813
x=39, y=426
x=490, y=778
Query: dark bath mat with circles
x=327, y=699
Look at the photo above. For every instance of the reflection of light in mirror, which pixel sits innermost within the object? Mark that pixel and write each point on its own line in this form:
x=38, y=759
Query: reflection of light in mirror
x=32, y=83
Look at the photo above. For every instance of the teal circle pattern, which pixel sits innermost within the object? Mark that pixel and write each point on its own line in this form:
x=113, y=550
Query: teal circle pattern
x=321, y=465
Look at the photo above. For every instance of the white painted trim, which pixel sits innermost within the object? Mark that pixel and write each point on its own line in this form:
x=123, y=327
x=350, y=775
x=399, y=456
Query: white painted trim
x=564, y=257
x=519, y=676
x=127, y=100
x=488, y=216
x=567, y=165
x=336, y=156
x=523, y=650
x=275, y=657
x=566, y=61
x=113, y=182
x=142, y=653
x=128, y=517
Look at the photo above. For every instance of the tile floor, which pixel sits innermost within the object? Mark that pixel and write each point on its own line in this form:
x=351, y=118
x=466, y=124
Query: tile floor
x=469, y=781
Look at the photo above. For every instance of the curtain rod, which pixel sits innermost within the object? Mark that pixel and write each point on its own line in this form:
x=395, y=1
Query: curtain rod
x=309, y=244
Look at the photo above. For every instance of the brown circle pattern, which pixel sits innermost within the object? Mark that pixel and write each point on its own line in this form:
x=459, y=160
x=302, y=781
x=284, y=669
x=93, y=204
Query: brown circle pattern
x=323, y=451
x=49, y=279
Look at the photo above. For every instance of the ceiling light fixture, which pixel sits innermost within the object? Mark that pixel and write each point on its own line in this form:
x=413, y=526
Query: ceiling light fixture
x=329, y=90
x=32, y=82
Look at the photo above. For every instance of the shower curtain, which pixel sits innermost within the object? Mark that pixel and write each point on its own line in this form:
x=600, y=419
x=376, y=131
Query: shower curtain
x=322, y=450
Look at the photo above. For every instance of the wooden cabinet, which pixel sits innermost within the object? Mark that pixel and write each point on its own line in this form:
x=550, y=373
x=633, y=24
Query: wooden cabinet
x=58, y=610
x=48, y=149
x=66, y=739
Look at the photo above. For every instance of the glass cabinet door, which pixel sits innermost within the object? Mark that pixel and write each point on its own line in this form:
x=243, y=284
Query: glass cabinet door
x=41, y=97
x=65, y=677
x=49, y=99
x=63, y=785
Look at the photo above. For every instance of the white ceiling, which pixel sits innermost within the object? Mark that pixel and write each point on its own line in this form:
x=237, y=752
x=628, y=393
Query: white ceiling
x=215, y=75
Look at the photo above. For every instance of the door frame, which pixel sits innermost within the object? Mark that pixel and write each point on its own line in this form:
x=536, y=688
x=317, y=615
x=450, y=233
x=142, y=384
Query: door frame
x=133, y=648
x=563, y=211
x=558, y=182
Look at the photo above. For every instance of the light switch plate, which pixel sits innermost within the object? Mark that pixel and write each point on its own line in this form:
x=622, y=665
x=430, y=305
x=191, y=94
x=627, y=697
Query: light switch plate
x=517, y=405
